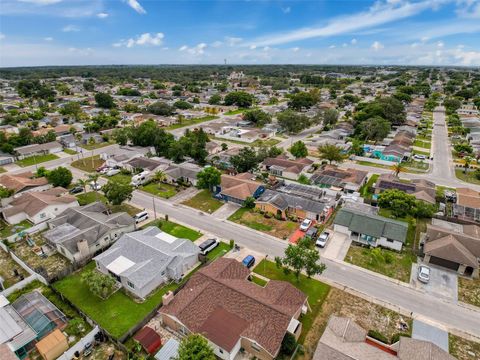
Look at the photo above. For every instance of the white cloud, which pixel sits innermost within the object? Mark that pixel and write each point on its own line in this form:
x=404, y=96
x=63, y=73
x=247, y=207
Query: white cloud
x=344, y=45
x=41, y=2
x=380, y=13
x=440, y=44
x=71, y=28
x=102, y=15
x=135, y=5
x=286, y=10
x=467, y=58
x=253, y=47
x=81, y=52
x=48, y=38
x=377, y=46
x=353, y=41
x=199, y=49
x=146, y=39
x=2, y=36
x=296, y=49
x=216, y=44
x=232, y=41
x=332, y=47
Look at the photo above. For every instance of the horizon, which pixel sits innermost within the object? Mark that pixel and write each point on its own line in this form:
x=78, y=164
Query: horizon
x=39, y=33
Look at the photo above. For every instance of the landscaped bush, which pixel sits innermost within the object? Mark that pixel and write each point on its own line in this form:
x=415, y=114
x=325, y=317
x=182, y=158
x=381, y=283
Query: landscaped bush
x=289, y=343
x=396, y=337
x=378, y=336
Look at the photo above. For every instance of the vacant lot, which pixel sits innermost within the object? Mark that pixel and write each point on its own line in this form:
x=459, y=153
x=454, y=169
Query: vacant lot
x=176, y=230
x=314, y=289
x=162, y=190
x=96, y=145
x=272, y=226
x=463, y=349
x=368, y=315
x=469, y=291
x=383, y=261
x=37, y=159
x=204, y=201
x=193, y=121
x=7, y=267
x=92, y=196
x=88, y=164
x=422, y=144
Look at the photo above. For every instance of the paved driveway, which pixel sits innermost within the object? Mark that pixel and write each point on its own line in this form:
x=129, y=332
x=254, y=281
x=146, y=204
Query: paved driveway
x=242, y=254
x=443, y=283
x=337, y=246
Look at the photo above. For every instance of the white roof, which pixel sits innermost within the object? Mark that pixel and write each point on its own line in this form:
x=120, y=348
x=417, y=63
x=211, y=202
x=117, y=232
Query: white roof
x=293, y=325
x=166, y=237
x=119, y=265
x=8, y=326
x=3, y=301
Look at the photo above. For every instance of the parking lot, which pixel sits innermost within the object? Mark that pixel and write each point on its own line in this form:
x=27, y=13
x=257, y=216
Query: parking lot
x=443, y=283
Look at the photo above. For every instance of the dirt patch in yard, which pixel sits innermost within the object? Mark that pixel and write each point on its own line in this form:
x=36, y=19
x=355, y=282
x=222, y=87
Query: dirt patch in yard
x=463, y=349
x=368, y=315
x=254, y=220
x=469, y=291
x=7, y=265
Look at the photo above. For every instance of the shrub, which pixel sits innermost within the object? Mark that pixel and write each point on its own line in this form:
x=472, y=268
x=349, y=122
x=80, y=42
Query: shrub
x=288, y=344
x=396, y=337
x=378, y=336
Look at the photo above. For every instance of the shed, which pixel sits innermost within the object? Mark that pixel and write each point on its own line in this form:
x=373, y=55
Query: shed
x=169, y=351
x=149, y=339
x=52, y=345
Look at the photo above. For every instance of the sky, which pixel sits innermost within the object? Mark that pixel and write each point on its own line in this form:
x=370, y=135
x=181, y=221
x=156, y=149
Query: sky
x=103, y=32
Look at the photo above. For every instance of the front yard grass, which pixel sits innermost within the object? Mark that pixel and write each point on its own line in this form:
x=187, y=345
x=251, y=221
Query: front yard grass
x=219, y=251
x=368, y=315
x=463, y=349
x=37, y=159
x=91, y=196
x=118, y=313
x=88, y=164
x=259, y=281
x=123, y=178
x=7, y=230
x=96, y=145
x=314, y=289
x=469, y=291
x=69, y=151
x=422, y=144
x=279, y=228
x=162, y=190
x=175, y=229
x=468, y=177
x=204, y=201
x=387, y=262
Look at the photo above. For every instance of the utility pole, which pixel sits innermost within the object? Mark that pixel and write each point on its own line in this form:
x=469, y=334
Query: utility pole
x=154, y=209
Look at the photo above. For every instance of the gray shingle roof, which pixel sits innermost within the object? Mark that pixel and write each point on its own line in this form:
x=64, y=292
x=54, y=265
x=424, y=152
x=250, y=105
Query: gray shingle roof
x=283, y=201
x=373, y=225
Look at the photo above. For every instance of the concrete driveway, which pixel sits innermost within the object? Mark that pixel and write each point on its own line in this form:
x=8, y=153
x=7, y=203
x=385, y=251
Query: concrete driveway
x=242, y=254
x=337, y=246
x=443, y=283
x=226, y=210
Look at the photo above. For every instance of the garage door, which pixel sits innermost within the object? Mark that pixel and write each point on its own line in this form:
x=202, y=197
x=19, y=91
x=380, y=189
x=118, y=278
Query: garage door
x=445, y=263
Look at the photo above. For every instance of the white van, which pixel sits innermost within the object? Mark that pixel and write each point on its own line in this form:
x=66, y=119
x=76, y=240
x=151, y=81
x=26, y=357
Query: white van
x=140, y=179
x=141, y=216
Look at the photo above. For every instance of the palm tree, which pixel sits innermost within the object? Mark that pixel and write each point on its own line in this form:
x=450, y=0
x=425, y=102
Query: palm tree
x=83, y=183
x=159, y=176
x=397, y=169
x=94, y=179
x=467, y=160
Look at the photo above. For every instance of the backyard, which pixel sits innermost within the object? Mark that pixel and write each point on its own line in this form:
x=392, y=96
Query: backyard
x=279, y=228
x=469, y=291
x=314, y=289
x=160, y=189
x=37, y=159
x=7, y=267
x=368, y=315
x=175, y=229
x=366, y=190
x=88, y=164
x=92, y=196
x=204, y=201
x=7, y=230
x=387, y=262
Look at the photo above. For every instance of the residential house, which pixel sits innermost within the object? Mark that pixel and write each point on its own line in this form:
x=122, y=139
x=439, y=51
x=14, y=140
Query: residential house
x=238, y=188
x=286, y=205
x=68, y=141
x=222, y=159
x=370, y=229
x=23, y=182
x=59, y=130
x=233, y=313
x=38, y=149
x=347, y=180
x=185, y=173
x=285, y=167
x=27, y=320
x=144, y=163
x=453, y=246
x=145, y=259
x=344, y=339
x=467, y=205
x=38, y=206
x=213, y=147
x=80, y=232
x=422, y=189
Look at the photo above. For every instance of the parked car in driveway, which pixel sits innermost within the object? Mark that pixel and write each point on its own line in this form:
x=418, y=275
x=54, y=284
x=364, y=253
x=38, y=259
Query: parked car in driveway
x=96, y=186
x=423, y=274
x=419, y=157
x=305, y=224
x=76, y=190
x=312, y=232
x=207, y=246
x=112, y=172
x=249, y=261
x=322, y=239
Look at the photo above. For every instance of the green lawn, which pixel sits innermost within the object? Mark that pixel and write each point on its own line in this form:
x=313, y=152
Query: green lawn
x=123, y=178
x=422, y=144
x=369, y=163
x=2, y=170
x=162, y=190
x=96, y=145
x=364, y=190
x=7, y=230
x=314, y=289
x=176, y=230
x=88, y=164
x=235, y=112
x=468, y=177
x=219, y=251
x=91, y=196
x=418, y=152
x=193, y=121
x=204, y=201
x=118, y=313
x=69, y=151
x=258, y=281
x=37, y=159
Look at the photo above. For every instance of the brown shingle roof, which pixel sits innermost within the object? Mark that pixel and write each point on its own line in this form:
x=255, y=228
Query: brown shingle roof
x=293, y=166
x=18, y=182
x=222, y=291
x=468, y=197
x=240, y=186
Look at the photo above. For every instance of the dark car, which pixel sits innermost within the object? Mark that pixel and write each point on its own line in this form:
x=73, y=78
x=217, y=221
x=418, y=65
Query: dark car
x=76, y=190
x=249, y=261
x=207, y=246
x=312, y=232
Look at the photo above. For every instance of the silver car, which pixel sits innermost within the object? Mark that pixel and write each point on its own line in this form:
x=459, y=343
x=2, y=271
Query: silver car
x=423, y=274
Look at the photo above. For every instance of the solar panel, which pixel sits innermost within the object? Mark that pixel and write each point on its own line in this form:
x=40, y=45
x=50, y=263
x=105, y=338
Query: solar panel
x=301, y=190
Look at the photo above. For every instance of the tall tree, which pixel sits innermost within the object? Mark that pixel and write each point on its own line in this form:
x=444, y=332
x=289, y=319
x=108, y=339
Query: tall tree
x=245, y=160
x=293, y=122
x=104, y=101
x=117, y=192
x=331, y=153
x=60, y=177
x=299, y=149
x=258, y=117
x=208, y=178
x=195, y=347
